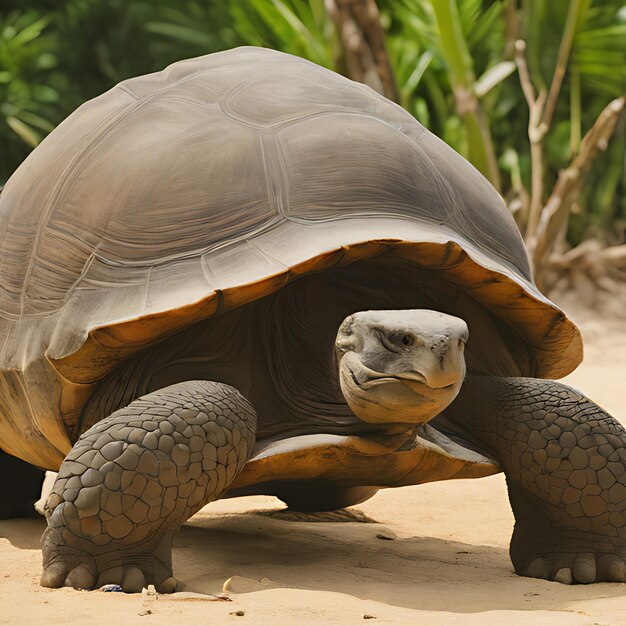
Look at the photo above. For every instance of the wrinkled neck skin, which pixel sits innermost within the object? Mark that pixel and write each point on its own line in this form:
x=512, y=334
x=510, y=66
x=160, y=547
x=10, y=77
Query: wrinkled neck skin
x=284, y=364
x=280, y=351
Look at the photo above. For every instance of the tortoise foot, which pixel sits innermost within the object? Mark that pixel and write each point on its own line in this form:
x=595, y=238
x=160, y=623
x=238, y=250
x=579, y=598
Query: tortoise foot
x=569, y=557
x=134, y=478
x=130, y=567
x=565, y=463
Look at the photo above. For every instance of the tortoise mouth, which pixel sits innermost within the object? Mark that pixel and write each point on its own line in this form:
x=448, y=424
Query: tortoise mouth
x=366, y=378
x=369, y=378
x=402, y=397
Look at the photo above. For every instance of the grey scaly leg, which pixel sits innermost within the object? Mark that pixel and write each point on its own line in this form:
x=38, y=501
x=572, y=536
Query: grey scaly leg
x=132, y=479
x=565, y=462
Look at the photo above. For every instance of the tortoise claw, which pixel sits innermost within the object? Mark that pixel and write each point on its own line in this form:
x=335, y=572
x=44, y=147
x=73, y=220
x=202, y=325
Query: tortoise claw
x=581, y=567
x=584, y=569
x=81, y=577
x=564, y=576
x=538, y=568
x=54, y=575
x=133, y=580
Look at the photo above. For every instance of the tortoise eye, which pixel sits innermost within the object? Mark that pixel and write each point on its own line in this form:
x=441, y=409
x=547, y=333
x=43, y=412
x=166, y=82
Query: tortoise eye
x=407, y=340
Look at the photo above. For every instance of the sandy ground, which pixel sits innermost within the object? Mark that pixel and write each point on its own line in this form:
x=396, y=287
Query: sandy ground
x=434, y=554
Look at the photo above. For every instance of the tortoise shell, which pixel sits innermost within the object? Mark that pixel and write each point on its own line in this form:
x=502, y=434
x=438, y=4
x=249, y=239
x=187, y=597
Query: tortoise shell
x=176, y=196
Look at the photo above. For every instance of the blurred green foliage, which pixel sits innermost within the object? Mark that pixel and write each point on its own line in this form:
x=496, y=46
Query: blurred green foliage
x=55, y=54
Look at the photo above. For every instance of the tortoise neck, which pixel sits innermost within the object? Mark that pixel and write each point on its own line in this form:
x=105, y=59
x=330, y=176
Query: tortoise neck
x=279, y=350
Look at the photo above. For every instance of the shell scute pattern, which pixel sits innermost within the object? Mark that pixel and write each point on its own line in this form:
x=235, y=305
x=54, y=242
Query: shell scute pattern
x=183, y=193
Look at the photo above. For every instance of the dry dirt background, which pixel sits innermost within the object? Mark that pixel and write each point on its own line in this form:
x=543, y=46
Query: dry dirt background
x=443, y=562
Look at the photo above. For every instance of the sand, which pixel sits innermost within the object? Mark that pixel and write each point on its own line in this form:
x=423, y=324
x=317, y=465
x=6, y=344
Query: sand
x=433, y=554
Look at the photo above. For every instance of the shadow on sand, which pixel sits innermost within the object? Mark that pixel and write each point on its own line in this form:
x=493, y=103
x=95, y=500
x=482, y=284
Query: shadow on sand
x=23, y=533
x=352, y=558
x=348, y=553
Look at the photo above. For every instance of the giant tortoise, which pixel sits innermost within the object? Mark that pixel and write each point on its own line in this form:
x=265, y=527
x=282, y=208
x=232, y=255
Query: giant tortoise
x=246, y=274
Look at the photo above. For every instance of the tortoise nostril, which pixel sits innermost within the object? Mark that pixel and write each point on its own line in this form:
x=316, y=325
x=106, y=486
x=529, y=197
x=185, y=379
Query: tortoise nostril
x=440, y=346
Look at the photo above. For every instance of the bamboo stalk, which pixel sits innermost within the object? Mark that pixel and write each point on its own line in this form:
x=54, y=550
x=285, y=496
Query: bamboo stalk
x=575, y=113
x=456, y=53
x=562, y=60
x=511, y=29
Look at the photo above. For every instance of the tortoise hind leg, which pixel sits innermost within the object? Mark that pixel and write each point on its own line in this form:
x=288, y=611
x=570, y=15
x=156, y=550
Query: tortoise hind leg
x=308, y=496
x=22, y=487
x=313, y=496
x=565, y=462
x=132, y=479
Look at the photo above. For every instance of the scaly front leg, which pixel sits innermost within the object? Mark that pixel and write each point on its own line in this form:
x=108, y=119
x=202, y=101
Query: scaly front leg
x=565, y=462
x=132, y=479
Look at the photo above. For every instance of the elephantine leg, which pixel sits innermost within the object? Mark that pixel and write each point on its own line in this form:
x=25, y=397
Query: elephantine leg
x=132, y=479
x=565, y=462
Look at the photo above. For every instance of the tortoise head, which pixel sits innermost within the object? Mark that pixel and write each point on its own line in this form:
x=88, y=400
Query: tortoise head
x=400, y=366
